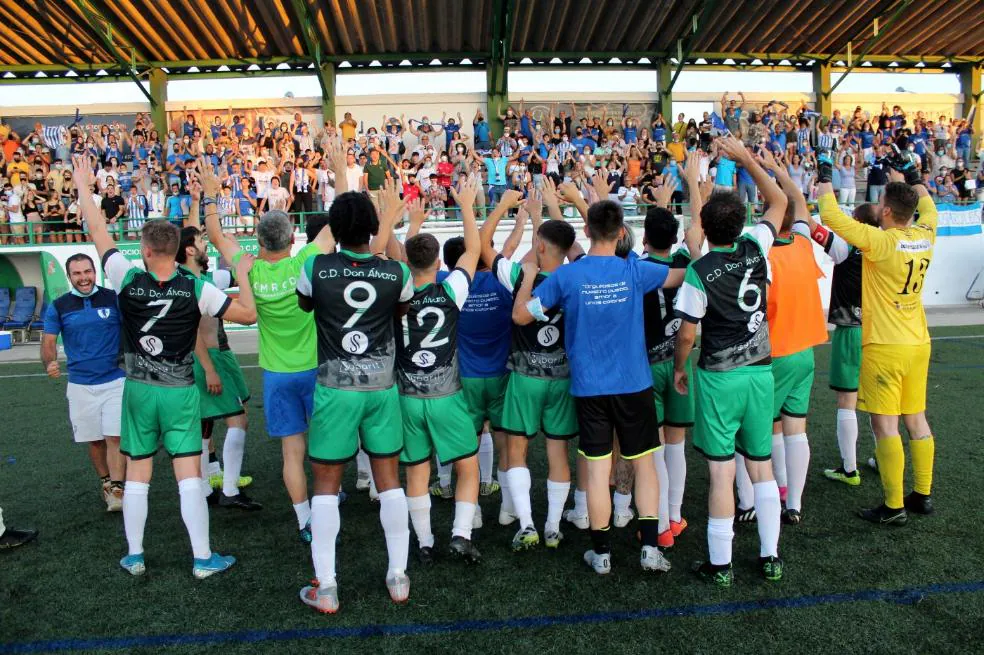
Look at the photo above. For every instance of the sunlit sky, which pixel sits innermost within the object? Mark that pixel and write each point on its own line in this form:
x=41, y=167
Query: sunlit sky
x=520, y=82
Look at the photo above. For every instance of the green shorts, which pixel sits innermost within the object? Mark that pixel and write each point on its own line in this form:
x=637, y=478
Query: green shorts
x=343, y=418
x=234, y=394
x=793, y=375
x=845, y=358
x=152, y=414
x=733, y=414
x=672, y=409
x=533, y=405
x=440, y=424
x=484, y=397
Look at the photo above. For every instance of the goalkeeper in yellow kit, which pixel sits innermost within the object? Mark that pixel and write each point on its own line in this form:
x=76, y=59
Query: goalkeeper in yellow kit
x=894, y=336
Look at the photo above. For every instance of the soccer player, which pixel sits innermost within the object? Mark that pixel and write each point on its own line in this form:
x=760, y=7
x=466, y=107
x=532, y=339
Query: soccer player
x=674, y=411
x=601, y=296
x=796, y=324
x=538, y=392
x=218, y=376
x=483, y=348
x=88, y=320
x=725, y=292
x=845, y=352
x=161, y=310
x=355, y=297
x=287, y=334
x=435, y=416
x=894, y=336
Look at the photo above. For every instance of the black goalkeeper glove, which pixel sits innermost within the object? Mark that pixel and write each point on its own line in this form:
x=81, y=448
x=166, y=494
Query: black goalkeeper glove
x=904, y=162
x=825, y=166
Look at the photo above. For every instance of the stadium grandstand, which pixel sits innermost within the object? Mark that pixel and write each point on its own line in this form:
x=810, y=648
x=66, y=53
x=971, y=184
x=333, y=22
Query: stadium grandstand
x=291, y=193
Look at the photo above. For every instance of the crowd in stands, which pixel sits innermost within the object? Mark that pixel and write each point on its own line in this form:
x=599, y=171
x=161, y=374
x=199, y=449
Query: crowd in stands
x=267, y=165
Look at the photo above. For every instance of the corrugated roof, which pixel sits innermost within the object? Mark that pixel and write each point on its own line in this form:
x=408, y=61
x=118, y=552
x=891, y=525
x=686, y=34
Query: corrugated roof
x=73, y=32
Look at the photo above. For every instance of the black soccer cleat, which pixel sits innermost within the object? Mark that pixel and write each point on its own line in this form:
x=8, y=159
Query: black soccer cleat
x=884, y=515
x=239, y=501
x=12, y=537
x=464, y=549
x=918, y=503
x=791, y=517
x=425, y=555
x=745, y=515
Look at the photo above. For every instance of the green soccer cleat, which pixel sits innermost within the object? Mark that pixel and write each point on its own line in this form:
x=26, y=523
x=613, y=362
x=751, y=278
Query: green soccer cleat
x=525, y=539
x=438, y=491
x=552, y=538
x=722, y=576
x=852, y=479
x=488, y=488
x=215, y=481
x=771, y=568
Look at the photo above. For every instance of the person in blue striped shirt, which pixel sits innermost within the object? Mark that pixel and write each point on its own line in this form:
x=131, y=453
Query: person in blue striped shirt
x=88, y=320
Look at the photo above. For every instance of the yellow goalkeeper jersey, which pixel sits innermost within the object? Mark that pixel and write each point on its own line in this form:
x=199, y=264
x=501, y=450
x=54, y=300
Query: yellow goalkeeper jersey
x=893, y=267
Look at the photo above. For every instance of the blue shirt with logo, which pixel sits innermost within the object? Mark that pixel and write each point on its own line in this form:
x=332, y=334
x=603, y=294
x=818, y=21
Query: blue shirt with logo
x=90, y=329
x=484, y=327
x=602, y=300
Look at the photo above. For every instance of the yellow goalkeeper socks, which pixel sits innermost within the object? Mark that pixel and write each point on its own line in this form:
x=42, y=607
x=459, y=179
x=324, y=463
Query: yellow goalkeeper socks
x=923, y=451
x=891, y=468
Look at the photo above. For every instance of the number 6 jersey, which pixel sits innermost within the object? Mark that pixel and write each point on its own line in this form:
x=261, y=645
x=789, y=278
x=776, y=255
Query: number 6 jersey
x=427, y=346
x=725, y=291
x=355, y=297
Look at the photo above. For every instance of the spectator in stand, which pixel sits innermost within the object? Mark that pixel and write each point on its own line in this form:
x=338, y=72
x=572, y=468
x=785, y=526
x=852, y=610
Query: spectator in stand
x=113, y=209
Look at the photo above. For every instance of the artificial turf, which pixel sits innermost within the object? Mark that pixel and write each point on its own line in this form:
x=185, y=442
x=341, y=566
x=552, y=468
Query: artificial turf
x=67, y=586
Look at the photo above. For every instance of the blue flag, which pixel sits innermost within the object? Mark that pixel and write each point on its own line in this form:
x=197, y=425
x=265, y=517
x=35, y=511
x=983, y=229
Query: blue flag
x=717, y=123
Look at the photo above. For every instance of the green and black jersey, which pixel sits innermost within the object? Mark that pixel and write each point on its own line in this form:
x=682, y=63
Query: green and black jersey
x=160, y=320
x=661, y=321
x=222, y=279
x=726, y=292
x=355, y=298
x=537, y=350
x=845, y=287
x=427, y=346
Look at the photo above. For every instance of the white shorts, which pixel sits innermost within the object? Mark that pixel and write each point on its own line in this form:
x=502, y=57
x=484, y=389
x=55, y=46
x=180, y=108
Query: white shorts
x=95, y=410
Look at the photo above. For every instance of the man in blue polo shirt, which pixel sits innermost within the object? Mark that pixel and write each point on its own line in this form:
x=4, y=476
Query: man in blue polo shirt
x=601, y=296
x=88, y=319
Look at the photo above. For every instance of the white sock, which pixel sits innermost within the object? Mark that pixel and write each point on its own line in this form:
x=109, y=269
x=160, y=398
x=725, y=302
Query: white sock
x=214, y=468
x=847, y=438
x=664, y=491
x=362, y=463
x=556, y=499
x=797, y=465
x=746, y=496
x=675, y=456
x=720, y=536
x=767, y=509
x=420, y=516
x=444, y=473
x=507, y=501
x=580, y=502
x=621, y=502
x=134, y=515
x=486, y=449
x=232, y=454
x=325, y=524
x=206, y=487
x=464, y=515
x=395, y=520
x=519, y=491
x=303, y=512
x=194, y=513
x=779, y=459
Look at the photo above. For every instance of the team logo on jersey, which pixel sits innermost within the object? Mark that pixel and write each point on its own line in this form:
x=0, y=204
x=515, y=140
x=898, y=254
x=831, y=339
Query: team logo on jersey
x=355, y=342
x=103, y=312
x=548, y=335
x=424, y=358
x=755, y=322
x=672, y=327
x=152, y=345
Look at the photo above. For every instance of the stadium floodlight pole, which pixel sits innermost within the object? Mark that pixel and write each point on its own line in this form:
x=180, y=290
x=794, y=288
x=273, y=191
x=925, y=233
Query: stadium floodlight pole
x=325, y=69
x=103, y=29
x=885, y=29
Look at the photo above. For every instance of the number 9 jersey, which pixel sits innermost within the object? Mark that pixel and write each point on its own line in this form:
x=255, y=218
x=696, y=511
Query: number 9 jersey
x=355, y=297
x=427, y=348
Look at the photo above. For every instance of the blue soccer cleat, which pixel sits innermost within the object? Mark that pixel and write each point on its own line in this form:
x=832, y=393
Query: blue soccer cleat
x=134, y=564
x=215, y=563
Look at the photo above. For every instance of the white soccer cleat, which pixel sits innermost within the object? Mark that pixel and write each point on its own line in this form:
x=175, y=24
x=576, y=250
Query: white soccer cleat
x=114, y=503
x=362, y=481
x=477, y=519
x=506, y=518
x=622, y=519
x=652, y=559
x=600, y=562
x=579, y=521
x=398, y=585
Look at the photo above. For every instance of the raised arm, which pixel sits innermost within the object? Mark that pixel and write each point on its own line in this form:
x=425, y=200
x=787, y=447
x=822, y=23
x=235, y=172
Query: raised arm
x=549, y=197
x=465, y=198
x=193, y=219
x=224, y=243
x=391, y=211
x=516, y=236
x=81, y=172
x=793, y=193
x=572, y=194
x=694, y=236
x=509, y=199
x=774, y=197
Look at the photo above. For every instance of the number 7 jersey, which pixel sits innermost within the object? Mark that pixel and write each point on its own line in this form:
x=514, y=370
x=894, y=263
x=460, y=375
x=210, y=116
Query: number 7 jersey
x=355, y=298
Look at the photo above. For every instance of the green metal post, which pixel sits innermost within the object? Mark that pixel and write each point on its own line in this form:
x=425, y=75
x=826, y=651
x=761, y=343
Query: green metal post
x=821, y=89
x=970, y=87
x=665, y=76
x=327, y=78
x=158, y=94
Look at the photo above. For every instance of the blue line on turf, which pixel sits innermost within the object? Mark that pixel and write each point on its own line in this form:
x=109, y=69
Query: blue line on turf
x=908, y=596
